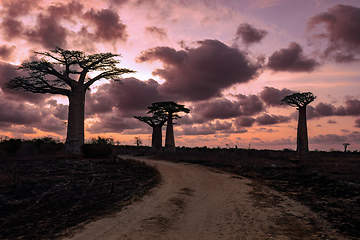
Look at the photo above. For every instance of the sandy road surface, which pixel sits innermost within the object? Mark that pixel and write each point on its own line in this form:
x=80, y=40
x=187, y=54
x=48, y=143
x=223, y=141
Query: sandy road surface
x=195, y=202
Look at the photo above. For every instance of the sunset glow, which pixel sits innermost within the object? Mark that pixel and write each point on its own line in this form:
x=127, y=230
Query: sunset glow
x=231, y=62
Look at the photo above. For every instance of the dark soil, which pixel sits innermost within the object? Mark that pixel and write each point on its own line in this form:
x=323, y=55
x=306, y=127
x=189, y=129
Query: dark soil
x=40, y=198
x=329, y=183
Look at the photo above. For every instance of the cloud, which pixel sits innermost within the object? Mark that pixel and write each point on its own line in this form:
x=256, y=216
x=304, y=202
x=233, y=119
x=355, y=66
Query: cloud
x=158, y=32
x=291, y=59
x=272, y=96
x=13, y=9
x=222, y=108
x=332, y=121
x=250, y=34
x=335, y=138
x=267, y=119
x=357, y=123
x=6, y=52
x=7, y=72
x=132, y=97
x=11, y=28
x=48, y=32
x=107, y=24
x=200, y=73
x=244, y=122
x=114, y=122
x=342, y=32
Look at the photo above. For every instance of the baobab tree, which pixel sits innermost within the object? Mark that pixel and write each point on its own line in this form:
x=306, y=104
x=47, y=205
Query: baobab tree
x=172, y=109
x=300, y=101
x=65, y=72
x=156, y=121
x=345, y=146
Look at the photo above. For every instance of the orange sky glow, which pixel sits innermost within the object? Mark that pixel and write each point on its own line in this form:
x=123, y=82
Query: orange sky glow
x=230, y=62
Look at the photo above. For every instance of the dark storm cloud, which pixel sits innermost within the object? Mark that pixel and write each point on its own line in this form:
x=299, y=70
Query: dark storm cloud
x=203, y=72
x=108, y=26
x=267, y=119
x=342, y=32
x=250, y=34
x=244, y=122
x=291, y=59
x=6, y=52
x=272, y=96
x=158, y=32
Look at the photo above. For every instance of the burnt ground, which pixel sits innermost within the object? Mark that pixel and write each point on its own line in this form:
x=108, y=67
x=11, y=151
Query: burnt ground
x=329, y=183
x=40, y=198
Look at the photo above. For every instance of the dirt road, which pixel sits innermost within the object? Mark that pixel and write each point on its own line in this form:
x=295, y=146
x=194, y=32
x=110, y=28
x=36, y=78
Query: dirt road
x=195, y=202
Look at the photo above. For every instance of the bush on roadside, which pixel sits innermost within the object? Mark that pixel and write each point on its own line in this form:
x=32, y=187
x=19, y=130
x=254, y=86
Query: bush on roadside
x=98, y=148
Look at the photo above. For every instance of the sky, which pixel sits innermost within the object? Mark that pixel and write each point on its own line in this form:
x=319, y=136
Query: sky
x=229, y=61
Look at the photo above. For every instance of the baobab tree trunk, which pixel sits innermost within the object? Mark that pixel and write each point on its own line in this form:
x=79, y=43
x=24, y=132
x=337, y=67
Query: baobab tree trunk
x=302, y=135
x=169, y=138
x=75, y=126
x=156, y=142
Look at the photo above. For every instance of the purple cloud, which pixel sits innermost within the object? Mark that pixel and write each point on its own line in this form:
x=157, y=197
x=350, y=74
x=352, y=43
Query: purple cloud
x=108, y=26
x=291, y=59
x=250, y=34
x=267, y=119
x=200, y=73
x=342, y=32
x=272, y=96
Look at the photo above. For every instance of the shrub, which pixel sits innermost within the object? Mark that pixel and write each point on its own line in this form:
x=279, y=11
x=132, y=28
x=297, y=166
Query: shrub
x=11, y=146
x=98, y=148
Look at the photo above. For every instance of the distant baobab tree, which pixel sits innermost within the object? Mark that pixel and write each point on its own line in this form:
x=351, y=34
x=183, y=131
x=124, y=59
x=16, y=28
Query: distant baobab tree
x=345, y=146
x=156, y=121
x=65, y=72
x=172, y=109
x=138, y=141
x=300, y=101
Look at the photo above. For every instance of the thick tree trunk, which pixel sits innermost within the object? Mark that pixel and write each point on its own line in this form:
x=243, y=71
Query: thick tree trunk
x=75, y=127
x=169, y=138
x=302, y=134
x=156, y=142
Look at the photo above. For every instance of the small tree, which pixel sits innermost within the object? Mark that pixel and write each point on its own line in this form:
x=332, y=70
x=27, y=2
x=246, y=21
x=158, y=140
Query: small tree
x=138, y=141
x=345, y=146
x=300, y=101
x=65, y=72
x=172, y=109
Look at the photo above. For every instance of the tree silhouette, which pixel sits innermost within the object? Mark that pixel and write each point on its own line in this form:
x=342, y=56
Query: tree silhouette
x=300, y=101
x=345, y=146
x=172, y=109
x=65, y=72
x=138, y=141
x=156, y=122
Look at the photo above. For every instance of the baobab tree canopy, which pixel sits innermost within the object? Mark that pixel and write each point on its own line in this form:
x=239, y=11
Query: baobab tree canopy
x=64, y=72
x=299, y=99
